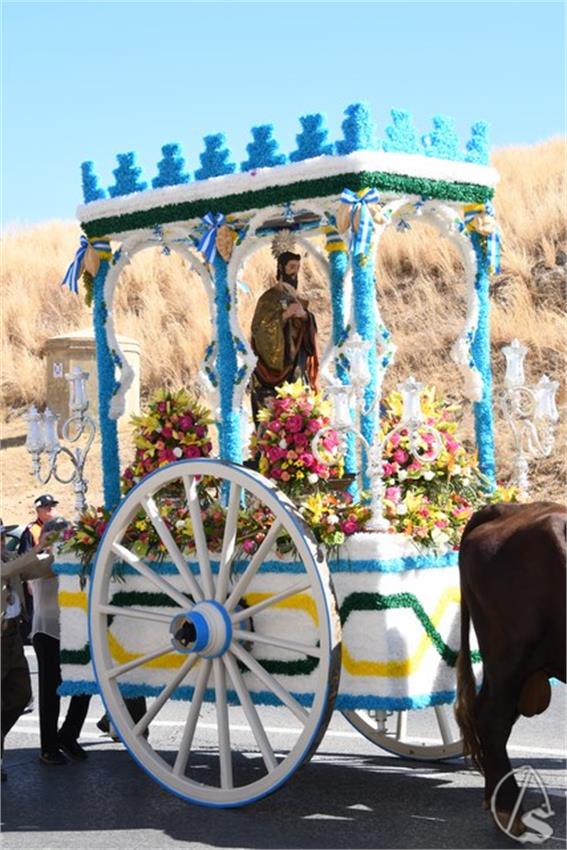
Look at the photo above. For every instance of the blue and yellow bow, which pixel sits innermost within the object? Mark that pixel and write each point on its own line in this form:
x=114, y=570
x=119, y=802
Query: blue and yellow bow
x=360, y=238
x=89, y=254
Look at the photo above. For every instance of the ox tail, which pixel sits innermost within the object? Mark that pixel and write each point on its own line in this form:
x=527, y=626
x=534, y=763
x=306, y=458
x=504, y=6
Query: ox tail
x=466, y=694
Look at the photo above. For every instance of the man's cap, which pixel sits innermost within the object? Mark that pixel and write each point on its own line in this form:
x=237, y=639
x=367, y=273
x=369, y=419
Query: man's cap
x=45, y=501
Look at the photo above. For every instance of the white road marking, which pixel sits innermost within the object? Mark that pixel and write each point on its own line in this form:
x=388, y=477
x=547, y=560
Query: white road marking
x=32, y=719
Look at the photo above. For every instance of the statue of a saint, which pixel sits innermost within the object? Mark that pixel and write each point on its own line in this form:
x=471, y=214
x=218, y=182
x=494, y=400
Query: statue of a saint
x=284, y=335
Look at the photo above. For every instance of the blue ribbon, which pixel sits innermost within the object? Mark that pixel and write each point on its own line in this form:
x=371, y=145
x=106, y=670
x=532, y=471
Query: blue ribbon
x=74, y=271
x=360, y=241
x=207, y=244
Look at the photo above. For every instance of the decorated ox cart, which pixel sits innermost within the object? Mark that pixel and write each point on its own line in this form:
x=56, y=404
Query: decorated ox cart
x=371, y=629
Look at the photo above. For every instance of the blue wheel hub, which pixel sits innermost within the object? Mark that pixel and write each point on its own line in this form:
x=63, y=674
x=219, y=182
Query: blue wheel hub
x=206, y=630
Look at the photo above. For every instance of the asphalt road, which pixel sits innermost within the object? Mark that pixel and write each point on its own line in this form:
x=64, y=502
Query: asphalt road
x=351, y=795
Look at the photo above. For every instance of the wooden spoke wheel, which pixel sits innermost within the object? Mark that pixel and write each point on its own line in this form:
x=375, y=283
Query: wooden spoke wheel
x=211, y=633
x=426, y=734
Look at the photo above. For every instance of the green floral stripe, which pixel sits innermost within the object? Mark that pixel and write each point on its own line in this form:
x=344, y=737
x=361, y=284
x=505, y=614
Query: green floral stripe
x=378, y=602
x=76, y=656
x=353, y=602
x=302, y=190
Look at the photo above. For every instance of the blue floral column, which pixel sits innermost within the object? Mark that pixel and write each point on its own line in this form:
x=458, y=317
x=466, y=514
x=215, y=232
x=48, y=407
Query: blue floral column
x=229, y=425
x=106, y=387
x=338, y=267
x=363, y=284
x=484, y=426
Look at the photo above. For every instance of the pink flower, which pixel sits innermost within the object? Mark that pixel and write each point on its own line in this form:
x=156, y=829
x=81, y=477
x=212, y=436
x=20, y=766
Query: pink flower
x=294, y=423
x=249, y=546
x=400, y=456
x=166, y=432
x=200, y=430
x=388, y=469
x=330, y=441
x=395, y=439
x=314, y=425
x=192, y=451
x=285, y=476
x=349, y=526
x=274, y=426
x=275, y=472
x=307, y=459
x=393, y=494
x=282, y=404
x=274, y=453
x=300, y=440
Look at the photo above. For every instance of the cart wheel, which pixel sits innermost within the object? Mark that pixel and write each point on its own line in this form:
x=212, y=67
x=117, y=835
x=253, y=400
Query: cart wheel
x=425, y=734
x=213, y=627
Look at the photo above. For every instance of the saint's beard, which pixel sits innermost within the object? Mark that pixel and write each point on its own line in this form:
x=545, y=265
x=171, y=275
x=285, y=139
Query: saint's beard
x=290, y=279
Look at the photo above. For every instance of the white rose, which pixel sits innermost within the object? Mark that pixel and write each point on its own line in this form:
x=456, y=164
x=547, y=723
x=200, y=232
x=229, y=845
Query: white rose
x=180, y=523
x=457, y=469
x=332, y=519
x=282, y=444
x=428, y=475
x=401, y=510
x=178, y=452
x=313, y=478
x=465, y=482
x=402, y=474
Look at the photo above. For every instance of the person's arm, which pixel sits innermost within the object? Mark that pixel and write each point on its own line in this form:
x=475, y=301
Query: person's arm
x=30, y=565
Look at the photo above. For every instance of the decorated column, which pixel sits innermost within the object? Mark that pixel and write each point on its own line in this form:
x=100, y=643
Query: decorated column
x=106, y=387
x=338, y=268
x=484, y=426
x=229, y=424
x=362, y=251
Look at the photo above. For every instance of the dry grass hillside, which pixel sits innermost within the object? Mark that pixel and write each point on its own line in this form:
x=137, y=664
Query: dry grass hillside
x=420, y=288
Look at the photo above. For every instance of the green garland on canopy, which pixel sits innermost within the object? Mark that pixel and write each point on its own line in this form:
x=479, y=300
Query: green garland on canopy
x=301, y=190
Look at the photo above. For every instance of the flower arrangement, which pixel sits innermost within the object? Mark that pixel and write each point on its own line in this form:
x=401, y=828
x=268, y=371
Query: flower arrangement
x=432, y=499
x=283, y=445
x=175, y=426
x=334, y=516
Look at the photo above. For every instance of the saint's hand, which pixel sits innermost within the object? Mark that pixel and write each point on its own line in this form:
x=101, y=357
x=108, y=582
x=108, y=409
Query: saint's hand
x=294, y=311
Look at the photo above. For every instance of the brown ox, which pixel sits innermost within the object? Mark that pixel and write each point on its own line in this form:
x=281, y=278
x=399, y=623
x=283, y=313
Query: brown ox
x=512, y=570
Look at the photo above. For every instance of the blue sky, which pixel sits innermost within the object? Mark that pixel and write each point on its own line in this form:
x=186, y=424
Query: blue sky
x=90, y=80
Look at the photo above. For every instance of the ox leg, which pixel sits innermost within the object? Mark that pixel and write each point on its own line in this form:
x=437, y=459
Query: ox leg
x=497, y=713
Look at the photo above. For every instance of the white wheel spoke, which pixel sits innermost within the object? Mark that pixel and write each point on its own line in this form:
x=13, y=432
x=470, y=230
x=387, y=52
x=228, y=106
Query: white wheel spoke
x=250, y=712
x=268, y=680
x=174, y=552
x=305, y=584
x=199, y=535
x=192, y=718
x=402, y=725
x=138, y=662
x=443, y=724
x=135, y=613
x=254, y=565
x=167, y=588
x=159, y=702
x=221, y=703
x=229, y=541
x=283, y=643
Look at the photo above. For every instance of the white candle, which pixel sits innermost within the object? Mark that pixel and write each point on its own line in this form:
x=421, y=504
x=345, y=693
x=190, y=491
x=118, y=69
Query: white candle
x=50, y=431
x=544, y=392
x=514, y=354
